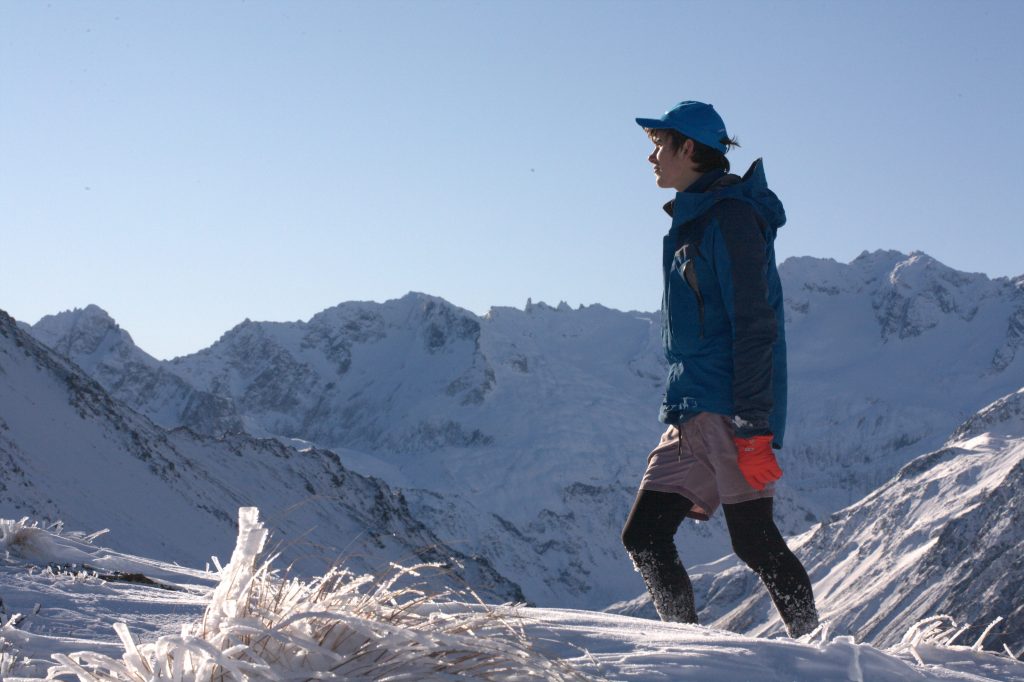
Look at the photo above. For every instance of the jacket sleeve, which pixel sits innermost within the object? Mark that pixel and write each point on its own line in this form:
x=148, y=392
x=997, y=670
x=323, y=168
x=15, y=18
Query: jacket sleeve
x=741, y=262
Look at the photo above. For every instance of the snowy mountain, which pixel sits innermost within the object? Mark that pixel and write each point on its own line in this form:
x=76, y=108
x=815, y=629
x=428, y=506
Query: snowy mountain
x=71, y=453
x=887, y=356
x=107, y=353
x=452, y=415
x=522, y=434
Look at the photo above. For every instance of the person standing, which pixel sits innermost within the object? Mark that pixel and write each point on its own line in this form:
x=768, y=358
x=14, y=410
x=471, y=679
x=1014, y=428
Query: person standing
x=723, y=331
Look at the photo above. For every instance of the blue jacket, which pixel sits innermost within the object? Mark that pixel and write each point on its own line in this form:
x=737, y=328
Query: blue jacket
x=722, y=318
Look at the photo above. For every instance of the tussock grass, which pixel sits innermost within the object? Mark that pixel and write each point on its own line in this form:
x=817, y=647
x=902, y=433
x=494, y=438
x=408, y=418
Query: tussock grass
x=339, y=626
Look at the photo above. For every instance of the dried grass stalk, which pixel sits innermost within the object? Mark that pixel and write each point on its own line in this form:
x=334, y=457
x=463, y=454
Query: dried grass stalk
x=260, y=626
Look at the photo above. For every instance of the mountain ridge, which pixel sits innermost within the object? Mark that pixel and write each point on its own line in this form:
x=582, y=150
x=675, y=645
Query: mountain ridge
x=553, y=401
x=78, y=456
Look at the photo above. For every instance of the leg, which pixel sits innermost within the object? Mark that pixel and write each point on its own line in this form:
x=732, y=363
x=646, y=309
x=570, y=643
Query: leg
x=648, y=538
x=758, y=543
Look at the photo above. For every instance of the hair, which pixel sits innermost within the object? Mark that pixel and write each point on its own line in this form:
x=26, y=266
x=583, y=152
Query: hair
x=704, y=157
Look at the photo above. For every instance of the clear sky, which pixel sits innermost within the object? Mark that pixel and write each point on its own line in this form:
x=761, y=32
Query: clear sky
x=186, y=165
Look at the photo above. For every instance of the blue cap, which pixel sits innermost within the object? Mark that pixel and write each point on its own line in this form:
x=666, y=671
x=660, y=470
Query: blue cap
x=695, y=120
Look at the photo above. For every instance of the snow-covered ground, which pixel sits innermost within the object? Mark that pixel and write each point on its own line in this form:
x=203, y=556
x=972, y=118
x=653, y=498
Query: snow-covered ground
x=65, y=598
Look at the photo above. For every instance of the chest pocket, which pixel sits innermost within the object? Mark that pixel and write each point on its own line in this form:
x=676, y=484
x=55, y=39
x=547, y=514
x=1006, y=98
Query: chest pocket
x=686, y=256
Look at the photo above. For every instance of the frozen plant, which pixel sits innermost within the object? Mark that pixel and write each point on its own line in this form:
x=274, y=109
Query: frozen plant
x=28, y=540
x=942, y=631
x=11, y=661
x=338, y=626
x=7, y=658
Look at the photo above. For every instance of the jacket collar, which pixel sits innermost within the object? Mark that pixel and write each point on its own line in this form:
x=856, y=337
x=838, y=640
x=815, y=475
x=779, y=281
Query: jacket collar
x=752, y=189
x=698, y=186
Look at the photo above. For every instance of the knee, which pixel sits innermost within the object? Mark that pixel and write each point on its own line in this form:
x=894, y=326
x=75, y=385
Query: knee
x=634, y=539
x=755, y=538
x=754, y=554
x=638, y=536
x=653, y=521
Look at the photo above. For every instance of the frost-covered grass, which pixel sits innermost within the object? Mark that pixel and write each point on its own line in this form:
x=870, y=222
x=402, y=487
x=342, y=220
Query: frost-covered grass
x=943, y=631
x=259, y=625
x=8, y=659
x=30, y=539
x=246, y=622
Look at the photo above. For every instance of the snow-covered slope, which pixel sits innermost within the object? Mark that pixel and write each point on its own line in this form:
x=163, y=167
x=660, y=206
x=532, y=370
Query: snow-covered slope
x=944, y=536
x=522, y=434
x=344, y=626
x=70, y=452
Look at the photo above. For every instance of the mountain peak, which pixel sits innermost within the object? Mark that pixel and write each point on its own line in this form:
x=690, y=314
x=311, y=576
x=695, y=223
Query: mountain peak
x=91, y=314
x=82, y=332
x=909, y=293
x=878, y=263
x=541, y=306
x=920, y=292
x=1005, y=415
x=921, y=266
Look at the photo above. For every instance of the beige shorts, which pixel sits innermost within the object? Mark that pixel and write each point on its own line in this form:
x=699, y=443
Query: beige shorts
x=698, y=461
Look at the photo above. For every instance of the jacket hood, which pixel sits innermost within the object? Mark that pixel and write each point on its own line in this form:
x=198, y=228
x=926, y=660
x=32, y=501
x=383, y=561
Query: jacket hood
x=752, y=189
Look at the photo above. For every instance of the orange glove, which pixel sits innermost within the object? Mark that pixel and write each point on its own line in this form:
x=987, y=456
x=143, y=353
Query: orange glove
x=757, y=461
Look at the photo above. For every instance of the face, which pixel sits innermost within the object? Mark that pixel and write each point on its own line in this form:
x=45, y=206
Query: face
x=673, y=168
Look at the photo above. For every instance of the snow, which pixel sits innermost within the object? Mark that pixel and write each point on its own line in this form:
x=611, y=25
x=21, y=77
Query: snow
x=79, y=626
x=889, y=354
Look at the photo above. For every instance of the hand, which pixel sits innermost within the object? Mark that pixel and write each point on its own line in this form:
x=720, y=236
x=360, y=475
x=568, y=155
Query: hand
x=757, y=461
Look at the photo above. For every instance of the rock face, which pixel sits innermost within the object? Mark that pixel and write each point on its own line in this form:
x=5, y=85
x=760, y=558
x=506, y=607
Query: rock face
x=71, y=453
x=522, y=434
x=944, y=536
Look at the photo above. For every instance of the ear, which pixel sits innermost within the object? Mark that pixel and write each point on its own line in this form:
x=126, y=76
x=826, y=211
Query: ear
x=686, y=151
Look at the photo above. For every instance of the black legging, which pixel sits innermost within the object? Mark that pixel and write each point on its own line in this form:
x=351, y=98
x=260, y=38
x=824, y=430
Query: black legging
x=648, y=537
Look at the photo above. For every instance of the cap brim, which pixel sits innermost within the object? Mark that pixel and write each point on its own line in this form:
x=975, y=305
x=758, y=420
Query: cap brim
x=654, y=123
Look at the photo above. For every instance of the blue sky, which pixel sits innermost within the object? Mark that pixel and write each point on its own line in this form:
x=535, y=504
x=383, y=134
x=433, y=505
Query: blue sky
x=186, y=165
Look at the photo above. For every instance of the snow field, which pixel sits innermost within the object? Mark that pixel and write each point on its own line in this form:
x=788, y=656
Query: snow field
x=254, y=624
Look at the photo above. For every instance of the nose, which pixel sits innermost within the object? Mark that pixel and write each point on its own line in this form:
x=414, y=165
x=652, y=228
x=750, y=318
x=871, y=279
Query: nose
x=653, y=158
